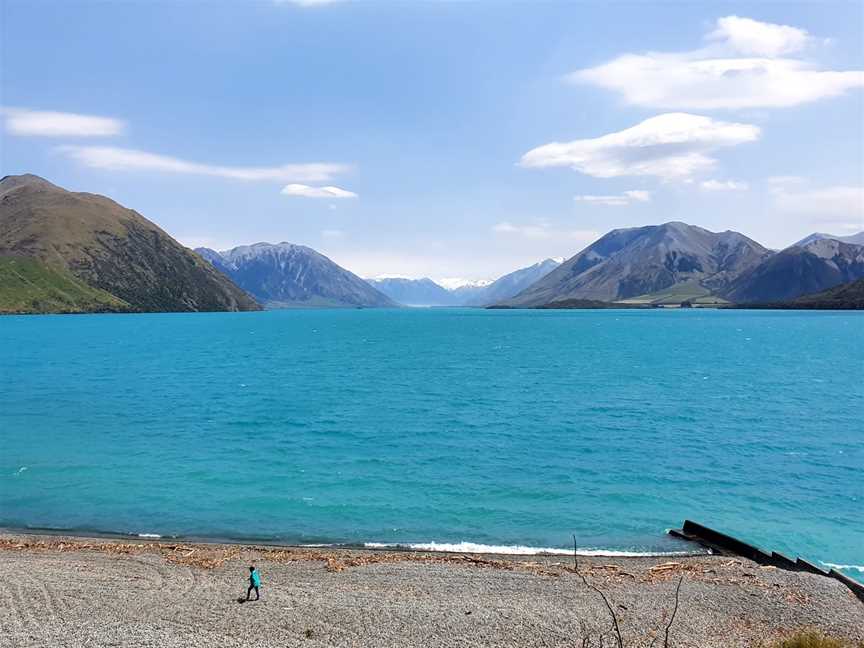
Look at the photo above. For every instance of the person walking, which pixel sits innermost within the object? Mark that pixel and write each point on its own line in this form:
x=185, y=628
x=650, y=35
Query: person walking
x=254, y=583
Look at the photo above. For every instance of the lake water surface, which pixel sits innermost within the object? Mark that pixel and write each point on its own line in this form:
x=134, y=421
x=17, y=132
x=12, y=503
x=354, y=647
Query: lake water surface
x=513, y=428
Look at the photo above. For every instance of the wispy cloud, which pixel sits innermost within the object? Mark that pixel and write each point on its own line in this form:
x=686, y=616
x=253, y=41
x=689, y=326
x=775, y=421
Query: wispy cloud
x=333, y=233
x=44, y=123
x=123, y=159
x=618, y=200
x=305, y=191
x=828, y=203
x=786, y=180
x=745, y=64
x=542, y=230
x=668, y=146
x=724, y=185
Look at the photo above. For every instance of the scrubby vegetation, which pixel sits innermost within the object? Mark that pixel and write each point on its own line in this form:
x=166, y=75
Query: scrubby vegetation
x=811, y=639
x=29, y=286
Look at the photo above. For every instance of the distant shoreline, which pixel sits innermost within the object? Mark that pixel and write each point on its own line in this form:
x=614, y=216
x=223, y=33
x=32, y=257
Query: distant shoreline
x=598, y=306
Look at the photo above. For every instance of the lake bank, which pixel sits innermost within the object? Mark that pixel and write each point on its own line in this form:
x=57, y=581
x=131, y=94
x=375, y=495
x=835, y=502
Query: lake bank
x=77, y=591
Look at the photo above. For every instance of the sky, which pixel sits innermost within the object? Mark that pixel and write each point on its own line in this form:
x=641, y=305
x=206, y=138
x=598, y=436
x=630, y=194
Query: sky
x=442, y=139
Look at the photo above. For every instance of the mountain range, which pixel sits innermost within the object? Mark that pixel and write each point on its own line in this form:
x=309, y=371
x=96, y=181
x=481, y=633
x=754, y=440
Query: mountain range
x=414, y=292
x=856, y=239
x=799, y=270
x=642, y=261
x=62, y=251
x=675, y=262
x=285, y=275
x=425, y=292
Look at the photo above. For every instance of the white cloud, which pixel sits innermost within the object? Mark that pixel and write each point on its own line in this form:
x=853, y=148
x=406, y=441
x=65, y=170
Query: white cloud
x=122, y=159
x=526, y=231
x=306, y=191
x=42, y=123
x=332, y=233
x=786, y=180
x=668, y=146
x=752, y=37
x=193, y=241
x=638, y=195
x=724, y=185
x=742, y=67
x=828, y=203
x=619, y=200
x=542, y=230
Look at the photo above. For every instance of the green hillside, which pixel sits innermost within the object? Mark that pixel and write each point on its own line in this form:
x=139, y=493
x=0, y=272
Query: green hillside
x=28, y=286
x=691, y=291
x=88, y=247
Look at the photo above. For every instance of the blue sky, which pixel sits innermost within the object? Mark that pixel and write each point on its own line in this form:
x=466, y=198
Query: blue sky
x=442, y=139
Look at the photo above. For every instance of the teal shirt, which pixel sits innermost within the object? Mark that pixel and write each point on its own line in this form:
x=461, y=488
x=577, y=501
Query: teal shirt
x=254, y=578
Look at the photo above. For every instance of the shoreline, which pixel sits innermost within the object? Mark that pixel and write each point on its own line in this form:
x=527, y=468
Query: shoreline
x=78, y=591
x=465, y=547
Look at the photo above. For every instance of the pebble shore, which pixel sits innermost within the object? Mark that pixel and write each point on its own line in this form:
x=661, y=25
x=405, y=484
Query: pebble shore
x=76, y=592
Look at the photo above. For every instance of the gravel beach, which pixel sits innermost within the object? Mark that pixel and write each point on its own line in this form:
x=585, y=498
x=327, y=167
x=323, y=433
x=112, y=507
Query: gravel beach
x=60, y=591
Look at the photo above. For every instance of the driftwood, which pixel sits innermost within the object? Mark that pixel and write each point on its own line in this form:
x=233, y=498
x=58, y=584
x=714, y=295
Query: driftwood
x=674, y=612
x=616, y=625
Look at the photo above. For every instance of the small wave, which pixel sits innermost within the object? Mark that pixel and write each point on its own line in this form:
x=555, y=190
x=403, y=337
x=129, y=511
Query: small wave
x=19, y=471
x=859, y=568
x=515, y=550
x=148, y=535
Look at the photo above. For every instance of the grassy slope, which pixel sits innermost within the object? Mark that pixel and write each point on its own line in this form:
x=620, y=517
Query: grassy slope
x=29, y=286
x=692, y=291
x=588, y=304
x=109, y=248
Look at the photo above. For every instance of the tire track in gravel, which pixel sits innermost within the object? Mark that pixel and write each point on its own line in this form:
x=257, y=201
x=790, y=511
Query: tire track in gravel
x=19, y=604
x=61, y=602
x=166, y=596
x=15, y=614
x=51, y=608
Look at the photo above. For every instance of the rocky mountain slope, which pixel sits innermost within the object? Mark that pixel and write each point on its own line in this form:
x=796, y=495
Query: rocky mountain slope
x=513, y=283
x=796, y=271
x=88, y=253
x=857, y=239
x=628, y=263
x=285, y=275
x=847, y=296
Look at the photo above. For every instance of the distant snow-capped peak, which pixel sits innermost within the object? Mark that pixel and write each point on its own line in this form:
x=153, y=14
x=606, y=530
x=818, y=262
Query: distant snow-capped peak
x=452, y=283
x=384, y=277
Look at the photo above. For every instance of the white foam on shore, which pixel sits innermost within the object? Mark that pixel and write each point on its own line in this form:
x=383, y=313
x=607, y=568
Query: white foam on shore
x=516, y=550
x=859, y=568
x=149, y=535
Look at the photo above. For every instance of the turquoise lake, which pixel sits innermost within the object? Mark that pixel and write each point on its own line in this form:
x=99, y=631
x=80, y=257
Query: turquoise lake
x=516, y=428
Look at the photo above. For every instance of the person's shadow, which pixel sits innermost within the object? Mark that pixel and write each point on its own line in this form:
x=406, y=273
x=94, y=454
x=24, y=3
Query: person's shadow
x=241, y=599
